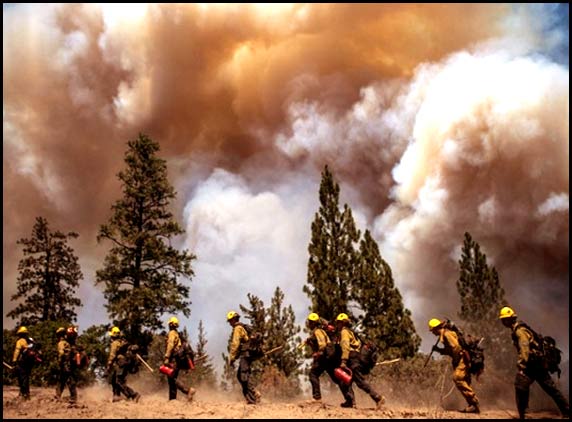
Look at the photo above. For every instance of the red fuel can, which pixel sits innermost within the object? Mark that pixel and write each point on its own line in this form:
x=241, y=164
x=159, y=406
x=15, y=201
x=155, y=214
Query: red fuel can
x=343, y=375
x=167, y=370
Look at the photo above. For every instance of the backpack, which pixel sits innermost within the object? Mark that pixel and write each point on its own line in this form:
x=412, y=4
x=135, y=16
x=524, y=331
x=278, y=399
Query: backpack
x=78, y=357
x=32, y=355
x=254, y=347
x=184, y=355
x=473, y=347
x=544, y=350
x=368, y=354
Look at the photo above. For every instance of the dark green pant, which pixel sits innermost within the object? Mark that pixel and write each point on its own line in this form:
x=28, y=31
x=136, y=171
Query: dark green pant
x=119, y=382
x=244, y=378
x=23, y=371
x=522, y=384
x=175, y=384
x=68, y=378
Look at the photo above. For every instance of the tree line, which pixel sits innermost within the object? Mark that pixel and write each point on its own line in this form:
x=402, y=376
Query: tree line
x=145, y=277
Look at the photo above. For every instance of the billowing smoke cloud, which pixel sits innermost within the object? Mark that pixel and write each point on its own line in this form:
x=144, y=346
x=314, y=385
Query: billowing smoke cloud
x=436, y=119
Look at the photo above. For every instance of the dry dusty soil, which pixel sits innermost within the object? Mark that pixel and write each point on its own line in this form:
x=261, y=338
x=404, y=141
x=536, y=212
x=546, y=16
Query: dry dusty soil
x=95, y=403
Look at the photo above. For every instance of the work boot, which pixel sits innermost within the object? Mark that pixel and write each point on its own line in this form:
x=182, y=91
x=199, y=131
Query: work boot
x=257, y=396
x=473, y=408
x=116, y=399
x=136, y=397
x=191, y=393
x=348, y=404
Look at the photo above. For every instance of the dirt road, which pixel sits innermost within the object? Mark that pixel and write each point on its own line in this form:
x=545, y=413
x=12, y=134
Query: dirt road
x=95, y=403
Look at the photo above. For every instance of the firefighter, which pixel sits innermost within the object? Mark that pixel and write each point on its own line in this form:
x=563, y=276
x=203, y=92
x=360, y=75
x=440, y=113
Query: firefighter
x=239, y=350
x=118, y=367
x=530, y=365
x=460, y=360
x=350, y=347
x=174, y=344
x=66, y=364
x=323, y=359
x=22, y=365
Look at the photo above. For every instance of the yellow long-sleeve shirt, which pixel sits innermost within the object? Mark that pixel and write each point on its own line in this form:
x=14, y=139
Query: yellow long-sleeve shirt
x=522, y=338
x=114, y=350
x=348, y=343
x=238, y=338
x=64, y=350
x=322, y=340
x=21, y=344
x=173, y=344
x=451, y=344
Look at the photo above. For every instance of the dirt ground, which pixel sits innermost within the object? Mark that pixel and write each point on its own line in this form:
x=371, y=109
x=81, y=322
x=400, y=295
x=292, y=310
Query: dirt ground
x=95, y=403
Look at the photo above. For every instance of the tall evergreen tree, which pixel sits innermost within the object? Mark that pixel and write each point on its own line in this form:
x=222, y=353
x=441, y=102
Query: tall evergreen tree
x=141, y=270
x=49, y=273
x=332, y=253
x=255, y=314
x=481, y=298
x=281, y=330
x=204, y=371
x=384, y=319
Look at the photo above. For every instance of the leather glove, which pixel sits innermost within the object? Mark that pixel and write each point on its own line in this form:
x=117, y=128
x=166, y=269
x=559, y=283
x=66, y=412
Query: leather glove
x=166, y=361
x=230, y=362
x=344, y=365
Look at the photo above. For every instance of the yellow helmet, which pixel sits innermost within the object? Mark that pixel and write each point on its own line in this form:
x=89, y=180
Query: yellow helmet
x=434, y=323
x=115, y=331
x=231, y=315
x=313, y=317
x=60, y=331
x=174, y=321
x=342, y=317
x=22, y=330
x=507, y=312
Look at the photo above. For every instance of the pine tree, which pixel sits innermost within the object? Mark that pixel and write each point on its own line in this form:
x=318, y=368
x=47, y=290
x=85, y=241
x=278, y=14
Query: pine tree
x=332, y=253
x=142, y=268
x=281, y=330
x=49, y=273
x=256, y=314
x=481, y=298
x=204, y=370
x=384, y=320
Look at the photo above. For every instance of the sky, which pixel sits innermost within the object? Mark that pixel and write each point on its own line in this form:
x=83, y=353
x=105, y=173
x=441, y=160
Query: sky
x=435, y=119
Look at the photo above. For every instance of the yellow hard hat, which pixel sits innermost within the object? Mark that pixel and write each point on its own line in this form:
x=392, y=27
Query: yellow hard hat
x=174, y=321
x=313, y=317
x=507, y=312
x=60, y=330
x=115, y=331
x=342, y=317
x=22, y=330
x=231, y=315
x=434, y=323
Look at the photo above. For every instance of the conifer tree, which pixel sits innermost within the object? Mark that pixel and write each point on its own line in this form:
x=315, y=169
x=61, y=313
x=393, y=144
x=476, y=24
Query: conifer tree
x=255, y=314
x=282, y=330
x=481, y=298
x=332, y=253
x=49, y=273
x=141, y=271
x=204, y=370
x=384, y=320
